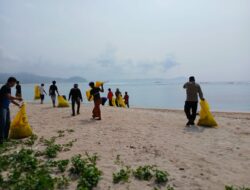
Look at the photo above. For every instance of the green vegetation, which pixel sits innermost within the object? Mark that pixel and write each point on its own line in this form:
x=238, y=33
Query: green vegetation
x=144, y=172
x=122, y=176
x=236, y=188
x=161, y=176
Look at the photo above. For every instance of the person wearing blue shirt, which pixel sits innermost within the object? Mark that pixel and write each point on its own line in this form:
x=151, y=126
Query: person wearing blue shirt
x=5, y=100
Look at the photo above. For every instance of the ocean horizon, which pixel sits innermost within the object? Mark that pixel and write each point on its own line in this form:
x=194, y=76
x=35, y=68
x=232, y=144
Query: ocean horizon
x=162, y=94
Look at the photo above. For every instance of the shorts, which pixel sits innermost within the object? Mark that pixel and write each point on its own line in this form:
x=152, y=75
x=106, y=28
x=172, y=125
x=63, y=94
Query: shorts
x=42, y=97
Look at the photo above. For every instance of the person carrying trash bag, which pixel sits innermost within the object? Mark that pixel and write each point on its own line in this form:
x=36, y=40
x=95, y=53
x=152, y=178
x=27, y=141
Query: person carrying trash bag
x=76, y=98
x=193, y=89
x=95, y=93
x=5, y=100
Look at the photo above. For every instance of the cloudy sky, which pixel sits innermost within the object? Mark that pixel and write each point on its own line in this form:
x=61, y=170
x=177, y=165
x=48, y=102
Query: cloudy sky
x=118, y=39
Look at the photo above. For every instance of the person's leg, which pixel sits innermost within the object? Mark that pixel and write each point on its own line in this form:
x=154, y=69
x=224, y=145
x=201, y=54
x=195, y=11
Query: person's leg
x=53, y=98
x=110, y=102
x=187, y=112
x=73, y=107
x=128, y=104
x=2, y=124
x=7, y=126
x=194, y=111
x=98, y=109
x=78, y=106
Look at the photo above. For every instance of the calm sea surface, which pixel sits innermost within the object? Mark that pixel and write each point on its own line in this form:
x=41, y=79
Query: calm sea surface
x=160, y=94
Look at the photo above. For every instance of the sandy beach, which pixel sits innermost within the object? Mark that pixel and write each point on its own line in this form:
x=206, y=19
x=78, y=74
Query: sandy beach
x=196, y=158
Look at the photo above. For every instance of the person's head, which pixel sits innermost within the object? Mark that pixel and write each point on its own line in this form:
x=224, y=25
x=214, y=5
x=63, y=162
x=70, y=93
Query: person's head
x=191, y=79
x=54, y=82
x=109, y=89
x=117, y=90
x=126, y=93
x=11, y=81
x=92, y=84
x=75, y=85
x=42, y=84
x=17, y=82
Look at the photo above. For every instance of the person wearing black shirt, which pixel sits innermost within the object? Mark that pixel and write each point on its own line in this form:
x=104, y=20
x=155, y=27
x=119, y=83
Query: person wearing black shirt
x=95, y=92
x=76, y=97
x=52, y=92
x=5, y=100
x=18, y=89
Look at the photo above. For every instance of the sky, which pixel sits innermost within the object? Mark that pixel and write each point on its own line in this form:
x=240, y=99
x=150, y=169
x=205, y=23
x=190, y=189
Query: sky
x=127, y=39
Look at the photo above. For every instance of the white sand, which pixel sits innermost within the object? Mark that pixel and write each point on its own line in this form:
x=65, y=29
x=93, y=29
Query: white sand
x=211, y=158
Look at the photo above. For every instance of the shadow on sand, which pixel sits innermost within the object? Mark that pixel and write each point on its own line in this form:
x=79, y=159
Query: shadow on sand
x=194, y=129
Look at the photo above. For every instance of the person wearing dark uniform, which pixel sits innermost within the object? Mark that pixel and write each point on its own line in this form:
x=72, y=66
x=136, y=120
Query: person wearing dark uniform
x=18, y=89
x=76, y=98
x=95, y=92
x=126, y=98
x=5, y=100
x=193, y=89
x=52, y=92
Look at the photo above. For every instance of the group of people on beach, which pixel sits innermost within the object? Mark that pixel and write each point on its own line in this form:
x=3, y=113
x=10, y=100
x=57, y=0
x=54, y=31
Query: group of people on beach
x=193, y=90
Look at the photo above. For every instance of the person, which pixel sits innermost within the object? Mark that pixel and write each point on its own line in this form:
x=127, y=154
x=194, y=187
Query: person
x=18, y=89
x=95, y=92
x=42, y=92
x=5, y=100
x=110, y=97
x=76, y=98
x=193, y=89
x=126, y=98
x=117, y=95
x=52, y=92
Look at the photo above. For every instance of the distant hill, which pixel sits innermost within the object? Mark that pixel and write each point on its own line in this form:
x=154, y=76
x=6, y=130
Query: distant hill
x=31, y=78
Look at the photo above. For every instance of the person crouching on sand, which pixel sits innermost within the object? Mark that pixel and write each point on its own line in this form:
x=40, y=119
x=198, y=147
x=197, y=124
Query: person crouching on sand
x=95, y=92
x=76, y=98
x=191, y=104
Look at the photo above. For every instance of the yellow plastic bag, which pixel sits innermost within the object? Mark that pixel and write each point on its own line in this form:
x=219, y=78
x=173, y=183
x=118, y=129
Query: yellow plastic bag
x=62, y=102
x=206, y=117
x=88, y=95
x=20, y=127
x=98, y=83
x=113, y=102
x=37, y=92
x=121, y=102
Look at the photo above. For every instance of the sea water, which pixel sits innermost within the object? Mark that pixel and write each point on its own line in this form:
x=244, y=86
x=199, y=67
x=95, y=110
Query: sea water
x=162, y=94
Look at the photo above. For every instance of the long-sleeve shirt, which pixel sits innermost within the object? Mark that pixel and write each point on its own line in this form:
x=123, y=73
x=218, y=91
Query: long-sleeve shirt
x=75, y=94
x=192, y=90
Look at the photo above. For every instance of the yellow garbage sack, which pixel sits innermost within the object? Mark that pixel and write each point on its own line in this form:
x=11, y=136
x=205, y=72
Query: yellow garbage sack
x=113, y=102
x=88, y=95
x=62, y=102
x=121, y=102
x=206, y=117
x=37, y=92
x=98, y=83
x=20, y=127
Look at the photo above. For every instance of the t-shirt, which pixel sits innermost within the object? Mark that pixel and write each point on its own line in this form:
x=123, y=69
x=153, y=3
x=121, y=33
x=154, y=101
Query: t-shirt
x=96, y=93
x=41, y=88
x=110, y=95
x=4, y=100
x=52, y=90
x=18, y=89
x=192, y=90
x=126, y=97
x=75, y=94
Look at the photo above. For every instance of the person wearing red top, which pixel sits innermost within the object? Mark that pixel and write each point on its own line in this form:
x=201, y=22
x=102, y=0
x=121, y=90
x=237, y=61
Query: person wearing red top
x=110, y=97
x=126, y=98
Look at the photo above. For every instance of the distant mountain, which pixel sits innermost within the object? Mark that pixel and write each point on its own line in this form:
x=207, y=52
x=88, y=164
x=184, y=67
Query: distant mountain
x=31, y=78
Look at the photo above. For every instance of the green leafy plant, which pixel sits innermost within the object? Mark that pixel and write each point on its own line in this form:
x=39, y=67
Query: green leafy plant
x=236, y=188
x=62, y=182
x=122, y=176
x=52, y=150
x=144, y=172
x=62, y=165
x=161, y=176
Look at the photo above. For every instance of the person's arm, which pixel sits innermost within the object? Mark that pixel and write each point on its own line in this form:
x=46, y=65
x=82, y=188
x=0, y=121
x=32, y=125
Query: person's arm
x=200, y=93
x=101, y=89
x=44, y=91
x=80, y=94
x=57, y=91
x=185, y=85
x=15, y=103
x=70, y=93
x=11, y=98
